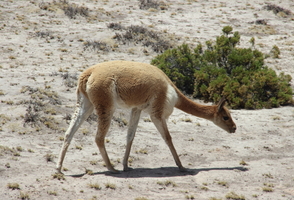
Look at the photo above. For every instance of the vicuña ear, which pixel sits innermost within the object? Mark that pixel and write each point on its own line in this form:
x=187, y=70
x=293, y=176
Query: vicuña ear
x=221, y=104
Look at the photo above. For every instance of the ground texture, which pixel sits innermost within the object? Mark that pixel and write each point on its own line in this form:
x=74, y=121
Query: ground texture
x=46, y=44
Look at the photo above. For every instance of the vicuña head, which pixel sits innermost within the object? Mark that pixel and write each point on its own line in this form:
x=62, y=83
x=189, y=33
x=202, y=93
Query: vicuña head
x=223, y=117
x=138, y=86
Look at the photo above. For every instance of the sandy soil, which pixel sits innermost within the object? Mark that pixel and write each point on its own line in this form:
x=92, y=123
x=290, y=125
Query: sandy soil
x=42, y=53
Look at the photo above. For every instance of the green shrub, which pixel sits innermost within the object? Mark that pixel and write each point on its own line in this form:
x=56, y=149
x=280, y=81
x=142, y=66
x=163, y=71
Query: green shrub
x=223, y=69
x=179, y=66
x=275, y=51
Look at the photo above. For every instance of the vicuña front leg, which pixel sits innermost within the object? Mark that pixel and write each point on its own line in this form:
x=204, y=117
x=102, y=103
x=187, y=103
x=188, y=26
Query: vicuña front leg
x=162, y=128
x=133, y=124
x=83, y=110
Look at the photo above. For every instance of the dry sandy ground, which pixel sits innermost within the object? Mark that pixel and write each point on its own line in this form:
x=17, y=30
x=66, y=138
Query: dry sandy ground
x=41, y=54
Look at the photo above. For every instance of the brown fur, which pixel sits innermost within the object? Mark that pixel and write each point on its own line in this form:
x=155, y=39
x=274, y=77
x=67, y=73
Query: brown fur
x=138, y=86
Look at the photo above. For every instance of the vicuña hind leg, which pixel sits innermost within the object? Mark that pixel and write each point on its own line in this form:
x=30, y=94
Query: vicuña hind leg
x=83, y=110
x=133, y=124
x=104, y=121
x=162, y=128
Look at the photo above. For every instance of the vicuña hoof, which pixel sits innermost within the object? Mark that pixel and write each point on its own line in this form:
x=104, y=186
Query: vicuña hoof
x=126, y=169
x=114, y=171
x=183, y=169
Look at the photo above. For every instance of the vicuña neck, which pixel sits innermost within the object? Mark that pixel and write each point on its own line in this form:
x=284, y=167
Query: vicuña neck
x=194, y=108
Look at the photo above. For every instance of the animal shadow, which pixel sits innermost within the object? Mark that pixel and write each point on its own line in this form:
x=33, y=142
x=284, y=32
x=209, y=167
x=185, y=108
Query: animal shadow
x=159, y=172
x=166, y=172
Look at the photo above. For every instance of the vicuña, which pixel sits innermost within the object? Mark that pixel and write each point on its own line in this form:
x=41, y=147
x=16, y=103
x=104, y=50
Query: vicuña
x=138, y=86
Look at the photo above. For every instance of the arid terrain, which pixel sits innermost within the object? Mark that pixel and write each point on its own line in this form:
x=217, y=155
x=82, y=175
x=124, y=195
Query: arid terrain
x=46, y=44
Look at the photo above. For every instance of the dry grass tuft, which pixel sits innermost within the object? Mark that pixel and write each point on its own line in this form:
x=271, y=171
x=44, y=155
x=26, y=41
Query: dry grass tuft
x=58, y=176
x=70, y=9
x=148, y=38
x=277, y=9
x=152, y=4
x=234, y=196
x=95, y=186
x=13, y=186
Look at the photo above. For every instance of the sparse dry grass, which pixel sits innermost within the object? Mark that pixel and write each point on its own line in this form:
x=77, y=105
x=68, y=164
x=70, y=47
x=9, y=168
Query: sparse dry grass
x=147, y=119
x=215, y=198
x=70, y=9
x=85, y=131
x=278, y=10
x=89, y=172
x=152, y=5
x=96, y=45
x=94, y=162
x=276, y=118
x=19, y=148
x=167, y=183
x=120, y=120
x=204, y=188
x=142, y=151
x=53, y=193
x=95, y=186
x=190, y=196
x=148, y=38
x=268, y=175
x=4, y=119
x=64, y=169
x=39, y=104
x=58, y=176
x=49, y=157
x=234, y=196
x=141, y=198
x=222, y=183
x=31, y=151
x=24, y=196
x=268, y=187
x=186, y=119
x=110, y=186
x=13, y=186
x=242, y=162
x=264, y=29
x=4, y=150
x=50, y=111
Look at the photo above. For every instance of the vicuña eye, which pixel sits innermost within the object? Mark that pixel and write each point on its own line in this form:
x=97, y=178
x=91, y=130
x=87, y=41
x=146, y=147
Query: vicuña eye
x=226, y=118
